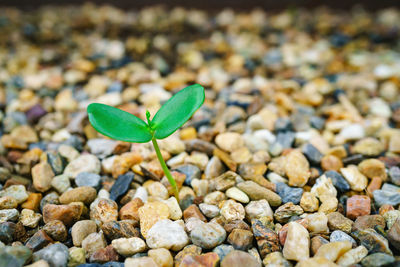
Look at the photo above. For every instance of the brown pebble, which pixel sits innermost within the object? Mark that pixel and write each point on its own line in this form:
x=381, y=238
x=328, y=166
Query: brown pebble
x=193, y=211
x=369, y=221
x=85, y=194
x=375, y=184
x=358, y=205
x=331, y=163
x=33, y=201
x=38, y=241
x=68, y=214
x=104, y=255
x=130, y=211
x=385, y=208
x=56, y=230
x=316, y=243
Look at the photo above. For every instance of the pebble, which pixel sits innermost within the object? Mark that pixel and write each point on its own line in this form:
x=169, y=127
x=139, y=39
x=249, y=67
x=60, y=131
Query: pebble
x=289, y=194
x=68, y=214
x=352, y=256
x=9, y=215
x=333, y=250
x=140, y=262
x=258, y=209
x=297, y=168
x=237, y=194
x=103, y=210
x=223, y=250
x=336, y=221
x=357, y=206
x=369, y=221
x=61, y=183
x=356, y=180
x=84, y=163
x=317, y=223
x=167, y=234
x=297, y=244
x=286, y=211
x=42, y=175
x=229, y=141
x=29, y=218
x=93, y=242
x=162, y=257
x=81, y=229
x=237, y=258
x=373, y=241
x=232, y=211
x=121, y=186
x=256, y=192
x=210, y=211
x=338, y=235
x=56, y=230
x=313, y=155
x=129, y=246
x=118, y=229
x=241, y=239
x=17, y=192
x=83, y=194
x=377, y=259
x=208, y=235
x=88, y=179
x=308, y=202
x=56, y=255
x=338, y=181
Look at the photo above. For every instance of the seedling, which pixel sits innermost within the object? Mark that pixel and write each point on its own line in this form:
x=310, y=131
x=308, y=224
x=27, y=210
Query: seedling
x=120, y=125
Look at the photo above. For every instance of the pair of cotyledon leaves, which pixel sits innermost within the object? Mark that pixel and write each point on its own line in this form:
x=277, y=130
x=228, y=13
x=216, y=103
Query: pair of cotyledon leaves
x=121, y=125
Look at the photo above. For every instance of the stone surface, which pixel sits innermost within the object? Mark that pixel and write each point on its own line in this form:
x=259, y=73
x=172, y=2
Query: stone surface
x=128, y=246
x=68, y=214
x=336, y=221
x=103, y=210
x=167, y=234
x=83, y=194
x=208, y=235
x=352, y=256
x=257, y=192
x=297, y=243
x=241, y=239
x=56, y=230
x=162, y=257
x=151, y=213
x=356, y=180
x=297, y=168
x=56, y=255
x=332, y=251
x=81, y=229
x=358, y=206
x=118, y=229
x=238, y=258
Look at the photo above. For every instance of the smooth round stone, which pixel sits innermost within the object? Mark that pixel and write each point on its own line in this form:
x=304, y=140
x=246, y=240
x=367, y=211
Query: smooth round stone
x=19, y=255
x=208, y=235
x=191, y=171
x=167, y=234
x=84, y=163
x=9, y=215
x=208, y=210
x=394, y=174
x=237, y=194
x=129, y=246
x=61, y=183
x=81, y=229
x=223, y=250
x=18, y=192
x=377, y=259
x=237, y=258
x=88, y=179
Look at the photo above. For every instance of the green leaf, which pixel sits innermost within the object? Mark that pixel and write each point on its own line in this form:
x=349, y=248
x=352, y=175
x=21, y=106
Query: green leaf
x=118, y=124
x=177, y=110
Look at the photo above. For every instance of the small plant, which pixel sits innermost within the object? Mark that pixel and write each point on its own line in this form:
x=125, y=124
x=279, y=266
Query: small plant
x=121, y=125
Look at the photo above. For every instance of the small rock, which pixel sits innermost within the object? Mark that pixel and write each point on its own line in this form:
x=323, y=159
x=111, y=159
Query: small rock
x=193, y=212
x=223, y=250
x=332, y=251
x=140, y=262
x=83, y=194
x=317, y=223
x=29, y=218
x=162, y=257
x=373, y=241
x=225, y=181
x=297, y=243
x=38, y=241
x=129, y=246
x=175, y=212
x=316, y=243
x=356, y=180
x=84, y=163
x=93, y=242
x=17, y=192
x=33, y=202
x=56, y=230
x=338, y=235
x=237, y=194
x=239, y=258
x=386, y=196
x=61, y=183
x=88, y=179
x=331, y=163
x=336, y=221
x=297, y=168
x=55, y=255
x=394, y=174
x=229, y=141
x=119, y=229
x=338, y=181
x=276, y=259
x=258, y=209
x=103, y=210
x=121, y=186
x=208, y=235
x=151, y=213
x=316, y=262
x=357, y=206
x=9, y=215
x=42, y=174
x=207, y=259
x=323, y=188
x=241, y=239
x=256, y=192
x=68, y=214
x=289, y=194
x=232, y=210
x=352, y=256
x=312, y=154
x=103, y=255
x=130, y=211
x=210, y=211
x=81, y=229
x=308, y=202
x=76, y=257
x=167, y=234
x=369, y=221
x=393, y=235
x=377, y=259
x=286, y=211
x=373, y=168
x=369, y=147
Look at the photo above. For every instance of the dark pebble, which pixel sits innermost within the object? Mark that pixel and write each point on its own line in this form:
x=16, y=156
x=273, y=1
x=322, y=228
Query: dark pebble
x=56, y=162
x=191, y=171
x=285, y=139
x=121, y=186
x=377, y=259
x=338, y=181
x=119, y=229
x=289, y=194
x=317, y=122
x=38, y=241
x=283, y=125
x=7, y=232
x=35, y=113
x=353, y=159
x=312, y=154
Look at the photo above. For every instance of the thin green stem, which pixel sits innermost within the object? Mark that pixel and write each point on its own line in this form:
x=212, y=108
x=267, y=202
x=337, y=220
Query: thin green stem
x=165, y=169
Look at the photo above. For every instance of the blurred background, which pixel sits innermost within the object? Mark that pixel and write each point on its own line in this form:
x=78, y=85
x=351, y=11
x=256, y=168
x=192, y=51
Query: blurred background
x=216, y=4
